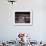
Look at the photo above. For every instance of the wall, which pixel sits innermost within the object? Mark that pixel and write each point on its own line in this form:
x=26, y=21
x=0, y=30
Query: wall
x=9, y=31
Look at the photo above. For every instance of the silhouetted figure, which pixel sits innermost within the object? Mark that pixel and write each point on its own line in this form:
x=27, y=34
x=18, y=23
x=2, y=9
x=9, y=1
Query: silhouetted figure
x=41, y=42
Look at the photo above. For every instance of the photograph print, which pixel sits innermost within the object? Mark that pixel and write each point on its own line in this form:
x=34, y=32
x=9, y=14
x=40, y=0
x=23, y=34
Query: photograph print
x=23, y=18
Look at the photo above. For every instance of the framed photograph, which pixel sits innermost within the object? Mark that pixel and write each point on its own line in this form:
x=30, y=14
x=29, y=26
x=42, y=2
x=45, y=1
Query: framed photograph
x=23, y=18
